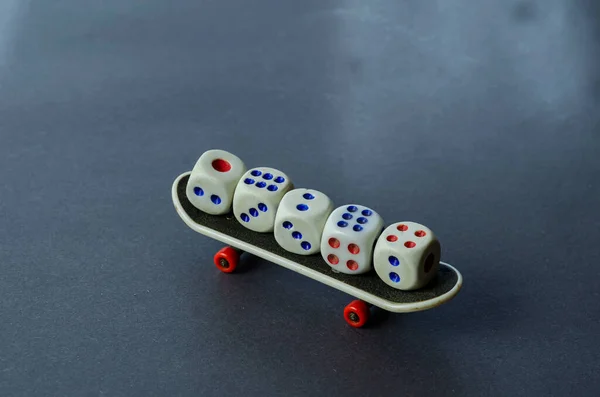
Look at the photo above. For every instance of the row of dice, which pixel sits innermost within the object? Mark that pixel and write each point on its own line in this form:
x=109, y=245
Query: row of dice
x=352, y=238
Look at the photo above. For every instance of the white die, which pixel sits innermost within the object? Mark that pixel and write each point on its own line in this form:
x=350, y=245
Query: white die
x=213, y=180
x=348, y=239
x=300, y=220
x=407, y=256
x=257, y=198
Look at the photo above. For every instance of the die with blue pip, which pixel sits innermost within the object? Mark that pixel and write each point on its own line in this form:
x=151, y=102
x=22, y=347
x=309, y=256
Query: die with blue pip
x=300, y=220
x=257, y=197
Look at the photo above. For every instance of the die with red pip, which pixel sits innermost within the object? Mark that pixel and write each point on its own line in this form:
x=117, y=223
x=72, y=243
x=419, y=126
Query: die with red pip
x=348, y=238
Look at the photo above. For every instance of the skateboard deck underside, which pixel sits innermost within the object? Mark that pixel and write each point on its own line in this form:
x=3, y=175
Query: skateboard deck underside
x=367, y=287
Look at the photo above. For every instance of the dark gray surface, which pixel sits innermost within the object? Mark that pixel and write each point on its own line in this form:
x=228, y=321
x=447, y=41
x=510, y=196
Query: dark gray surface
x=444, y=281
x=479, y=119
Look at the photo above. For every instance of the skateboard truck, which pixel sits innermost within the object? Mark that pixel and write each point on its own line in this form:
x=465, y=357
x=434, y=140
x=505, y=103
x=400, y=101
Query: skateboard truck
x=356, y=313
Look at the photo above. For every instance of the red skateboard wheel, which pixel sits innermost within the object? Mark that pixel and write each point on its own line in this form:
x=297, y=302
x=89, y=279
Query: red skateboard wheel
x=357, y=313
x=227, y=259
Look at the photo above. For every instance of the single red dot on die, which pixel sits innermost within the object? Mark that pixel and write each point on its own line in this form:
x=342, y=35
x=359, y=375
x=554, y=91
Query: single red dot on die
x=334, y=260
x=391, y=238
x=420, y=233
x=402, y=228
x=352, y=265
x=354, y=249
x=221, y=165
x=334, y=242
x=409, y=244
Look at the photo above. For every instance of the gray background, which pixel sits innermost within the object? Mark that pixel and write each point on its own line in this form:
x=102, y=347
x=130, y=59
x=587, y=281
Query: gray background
x=477, y=118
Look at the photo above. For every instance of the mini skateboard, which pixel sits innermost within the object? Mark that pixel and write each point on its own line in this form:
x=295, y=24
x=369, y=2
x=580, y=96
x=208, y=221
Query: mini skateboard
x=367, y=288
